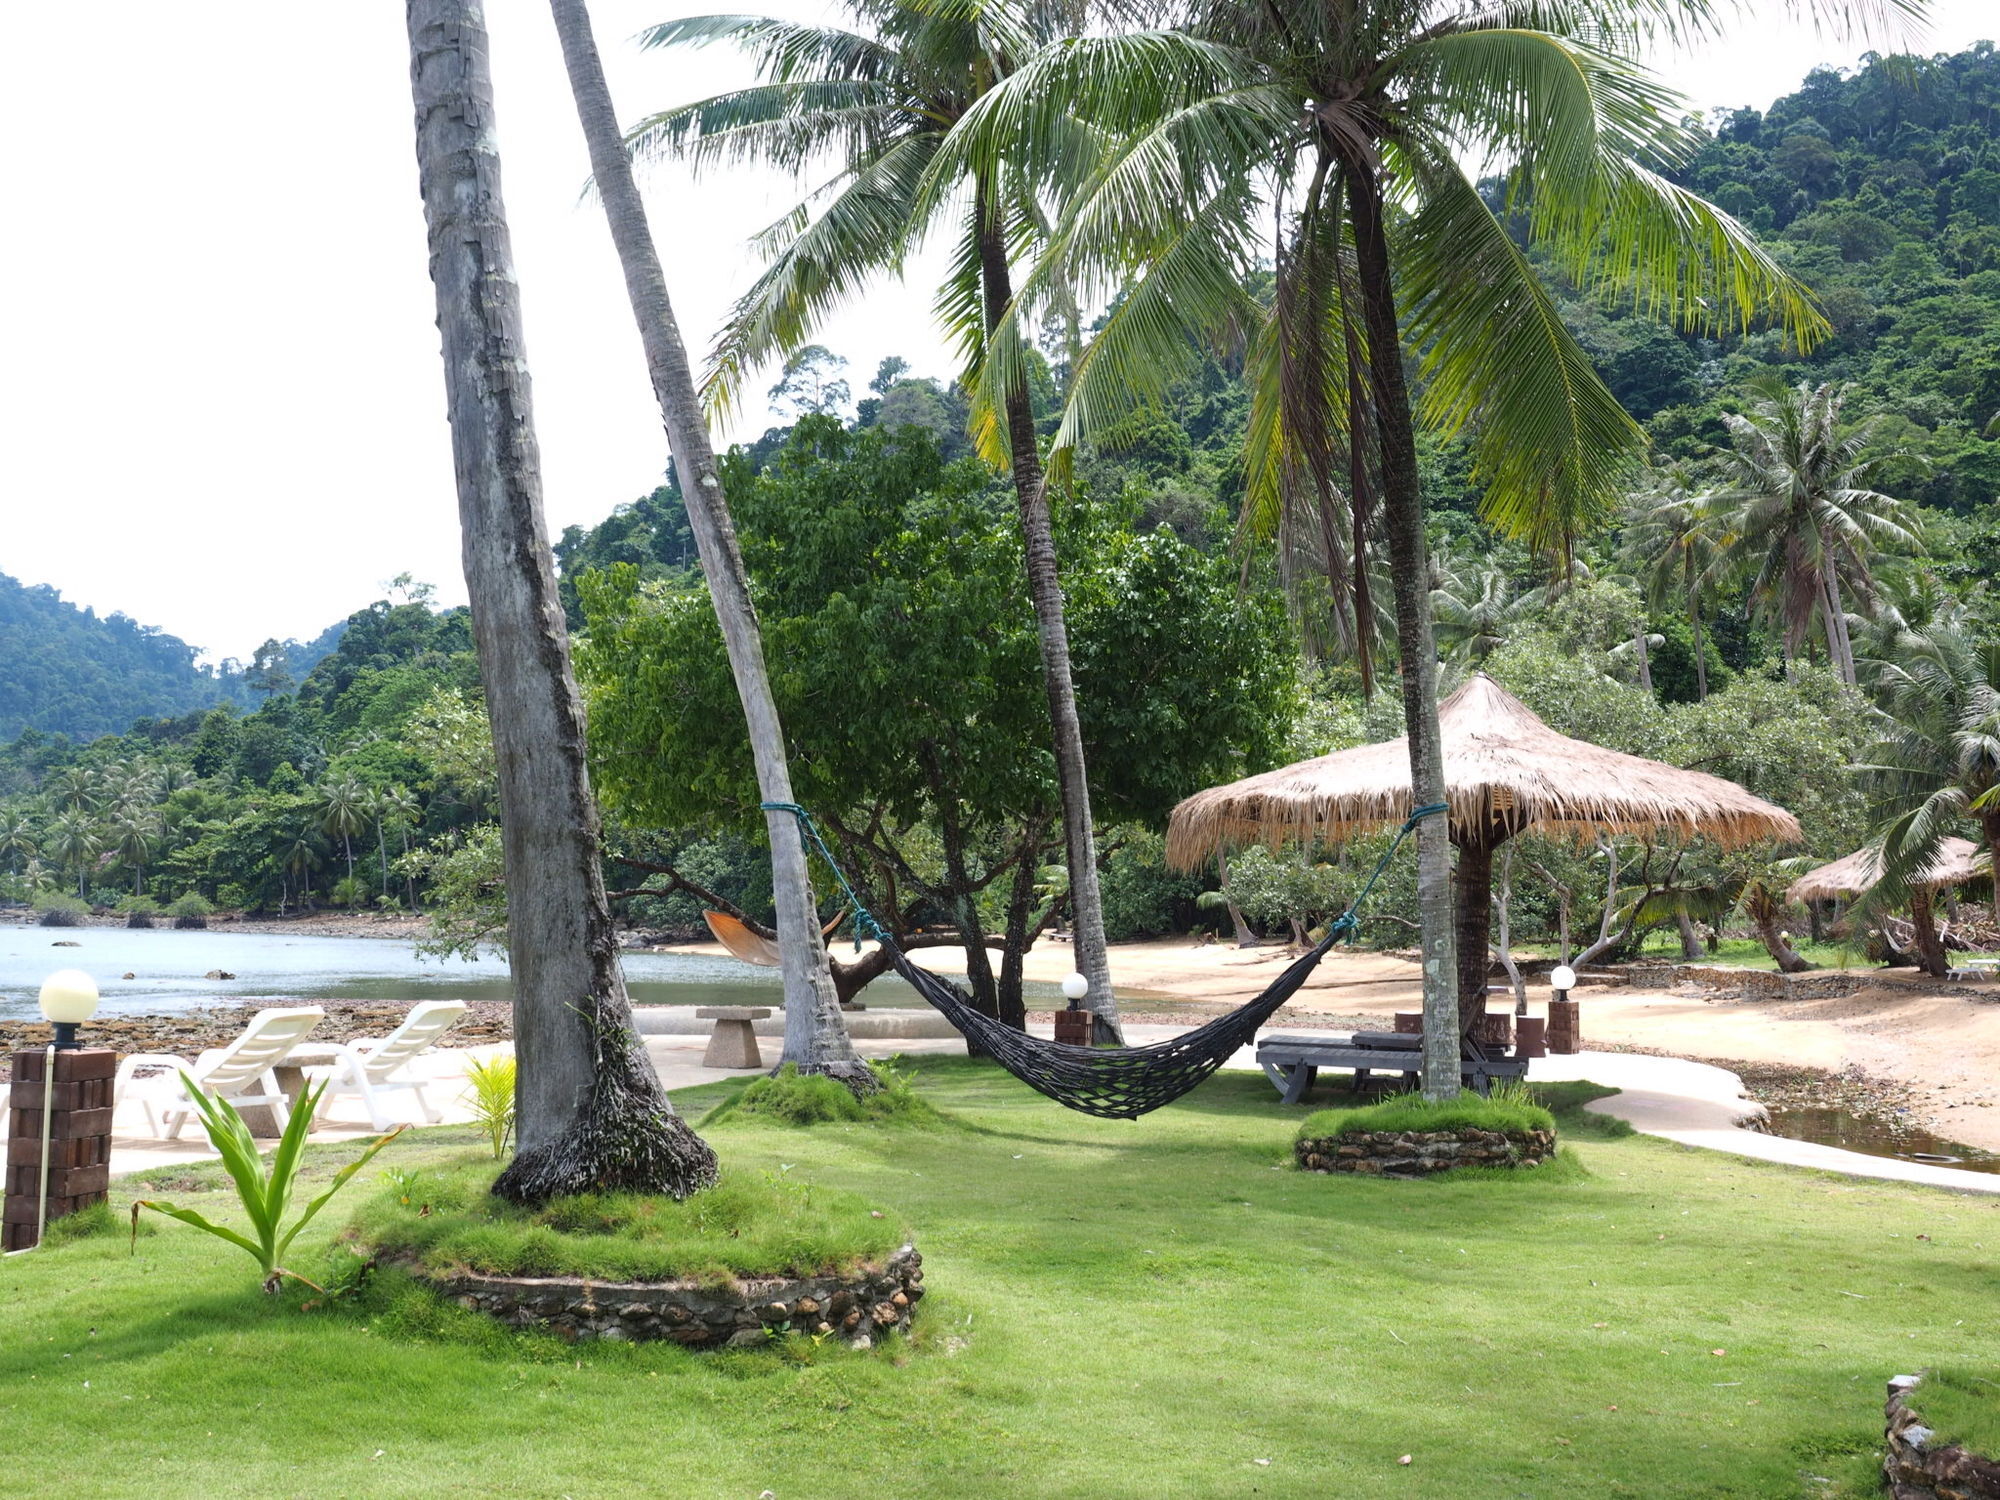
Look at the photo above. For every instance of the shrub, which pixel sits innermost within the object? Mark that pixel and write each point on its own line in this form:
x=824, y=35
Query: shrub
x=748, y=1224
x=191, y=911
x=795, y=1098
x=139, y=910
x=59, y=910
x=1510, y=1107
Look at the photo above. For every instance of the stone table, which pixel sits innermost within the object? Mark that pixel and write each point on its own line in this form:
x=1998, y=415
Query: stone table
x=733, y=1044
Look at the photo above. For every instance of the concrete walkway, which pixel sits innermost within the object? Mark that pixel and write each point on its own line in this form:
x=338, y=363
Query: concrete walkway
x=1692, y=1103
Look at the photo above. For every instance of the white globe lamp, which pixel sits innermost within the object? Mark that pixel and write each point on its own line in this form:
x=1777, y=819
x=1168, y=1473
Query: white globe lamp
x=69, y=998
x=1562, y=979
x=1075, y=987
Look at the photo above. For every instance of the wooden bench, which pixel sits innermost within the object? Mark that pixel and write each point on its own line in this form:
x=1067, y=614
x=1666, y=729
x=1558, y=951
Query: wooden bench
x=1292, y=1060
x=733, y=1043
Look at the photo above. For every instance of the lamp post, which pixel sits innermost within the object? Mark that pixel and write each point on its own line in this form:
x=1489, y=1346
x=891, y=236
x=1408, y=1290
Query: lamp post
x=1565, y=1020
x=1074, y=1024
x=69, y=998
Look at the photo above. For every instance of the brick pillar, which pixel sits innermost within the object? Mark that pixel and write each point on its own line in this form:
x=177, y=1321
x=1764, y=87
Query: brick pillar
x=79, y=1101
x=1565, y=1026
x=1074, y=1027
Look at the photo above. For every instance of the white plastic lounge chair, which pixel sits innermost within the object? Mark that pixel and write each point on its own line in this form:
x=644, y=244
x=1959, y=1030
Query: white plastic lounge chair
x=240, y=1072
x=369, y=1068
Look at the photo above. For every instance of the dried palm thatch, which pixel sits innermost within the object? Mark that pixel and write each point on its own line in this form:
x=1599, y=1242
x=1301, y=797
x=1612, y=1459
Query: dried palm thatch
x=1504, y=770
x=1956, y=862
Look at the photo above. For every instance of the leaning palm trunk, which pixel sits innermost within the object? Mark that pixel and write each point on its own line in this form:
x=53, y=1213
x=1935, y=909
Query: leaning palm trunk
x=1052, y=631
x=1403, y=518
x=816, y=1038
x=592, y=1114
x=1925, y=939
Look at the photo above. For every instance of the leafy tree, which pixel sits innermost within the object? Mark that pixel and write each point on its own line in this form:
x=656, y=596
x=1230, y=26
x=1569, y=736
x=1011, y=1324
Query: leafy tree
x=812, y=384
x=887, y=582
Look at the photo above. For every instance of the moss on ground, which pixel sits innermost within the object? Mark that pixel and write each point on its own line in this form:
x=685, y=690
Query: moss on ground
x=1508, y=1108
x=751, y=1223
x=790, y=1097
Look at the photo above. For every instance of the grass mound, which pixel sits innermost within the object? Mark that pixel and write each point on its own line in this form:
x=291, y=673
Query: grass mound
x=748, y=1224
x=1509, y=1108
x=794, y=1098
x=1961, y=1406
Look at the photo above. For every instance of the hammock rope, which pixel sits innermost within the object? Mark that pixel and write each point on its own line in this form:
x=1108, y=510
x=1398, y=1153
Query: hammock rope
x=1114, y=1083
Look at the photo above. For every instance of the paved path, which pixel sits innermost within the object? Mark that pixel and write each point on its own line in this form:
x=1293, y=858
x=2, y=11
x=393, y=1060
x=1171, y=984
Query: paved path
x=1689, y=1102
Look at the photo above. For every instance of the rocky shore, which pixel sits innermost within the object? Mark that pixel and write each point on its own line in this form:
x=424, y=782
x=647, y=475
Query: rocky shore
x=187, y=1032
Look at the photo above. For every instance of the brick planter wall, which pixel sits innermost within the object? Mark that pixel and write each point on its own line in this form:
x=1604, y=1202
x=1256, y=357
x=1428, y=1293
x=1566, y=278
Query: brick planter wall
x=857, y=1308
x=1915, y=1469
x=1418, y=1153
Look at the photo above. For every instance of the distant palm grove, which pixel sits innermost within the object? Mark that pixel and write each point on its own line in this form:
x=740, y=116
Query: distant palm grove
x=1795, y=588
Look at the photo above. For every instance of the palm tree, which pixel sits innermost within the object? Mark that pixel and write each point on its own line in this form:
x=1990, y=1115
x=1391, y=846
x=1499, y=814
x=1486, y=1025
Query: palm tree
x=301, y=857
x=1936, y=764
x=17, y=836
x=1801, y=520
x=77, y=788
x=1358, y=117
x=1675, y=539
x=400, y=803
x=591, y=1112
x=71, y=839
x=1476, y=607
x=816, y=1037
x=132, y=834
x=881, y=105
x=343, y=812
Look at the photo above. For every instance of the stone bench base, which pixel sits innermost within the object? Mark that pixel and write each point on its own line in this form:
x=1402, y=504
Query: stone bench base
x=857, y=1308
x=1418, y=1153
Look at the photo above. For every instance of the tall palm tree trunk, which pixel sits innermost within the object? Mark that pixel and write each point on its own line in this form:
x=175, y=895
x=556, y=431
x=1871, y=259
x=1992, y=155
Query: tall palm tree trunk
x=1700, y=643
x=591, y=1112
x=1840, y=646
x=1930, y=952
x=1403, y=519
x=1045, y=587
x=816, y=1039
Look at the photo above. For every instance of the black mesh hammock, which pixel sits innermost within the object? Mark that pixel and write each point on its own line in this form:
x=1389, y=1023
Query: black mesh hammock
x=1116, y=1083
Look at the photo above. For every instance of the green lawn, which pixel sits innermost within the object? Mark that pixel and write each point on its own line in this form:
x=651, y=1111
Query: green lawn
x=1118, y=1309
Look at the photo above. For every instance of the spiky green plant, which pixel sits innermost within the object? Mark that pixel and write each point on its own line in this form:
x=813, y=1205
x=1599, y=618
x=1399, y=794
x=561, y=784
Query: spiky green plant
x=490, y=1092
x=265, y=1194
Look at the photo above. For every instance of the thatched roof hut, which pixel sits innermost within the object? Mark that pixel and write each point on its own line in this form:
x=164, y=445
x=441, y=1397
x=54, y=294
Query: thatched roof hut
x=1957, y=861
x=1505, y=771
x=1501, y=765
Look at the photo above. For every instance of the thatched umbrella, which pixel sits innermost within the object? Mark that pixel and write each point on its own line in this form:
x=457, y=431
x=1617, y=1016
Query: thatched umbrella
x=1505, y=771
x=1956, y=862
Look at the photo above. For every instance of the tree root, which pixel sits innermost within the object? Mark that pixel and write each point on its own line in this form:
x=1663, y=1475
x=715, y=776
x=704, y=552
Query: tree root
x=627, y=1137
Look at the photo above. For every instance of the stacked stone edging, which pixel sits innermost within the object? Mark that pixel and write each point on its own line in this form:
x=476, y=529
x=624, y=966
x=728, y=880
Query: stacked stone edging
x=1914, y=1470
x=1418, y=1153
x=857, y=1308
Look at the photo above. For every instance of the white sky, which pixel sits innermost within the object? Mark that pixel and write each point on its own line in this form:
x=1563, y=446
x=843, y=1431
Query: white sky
x=221, y=404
